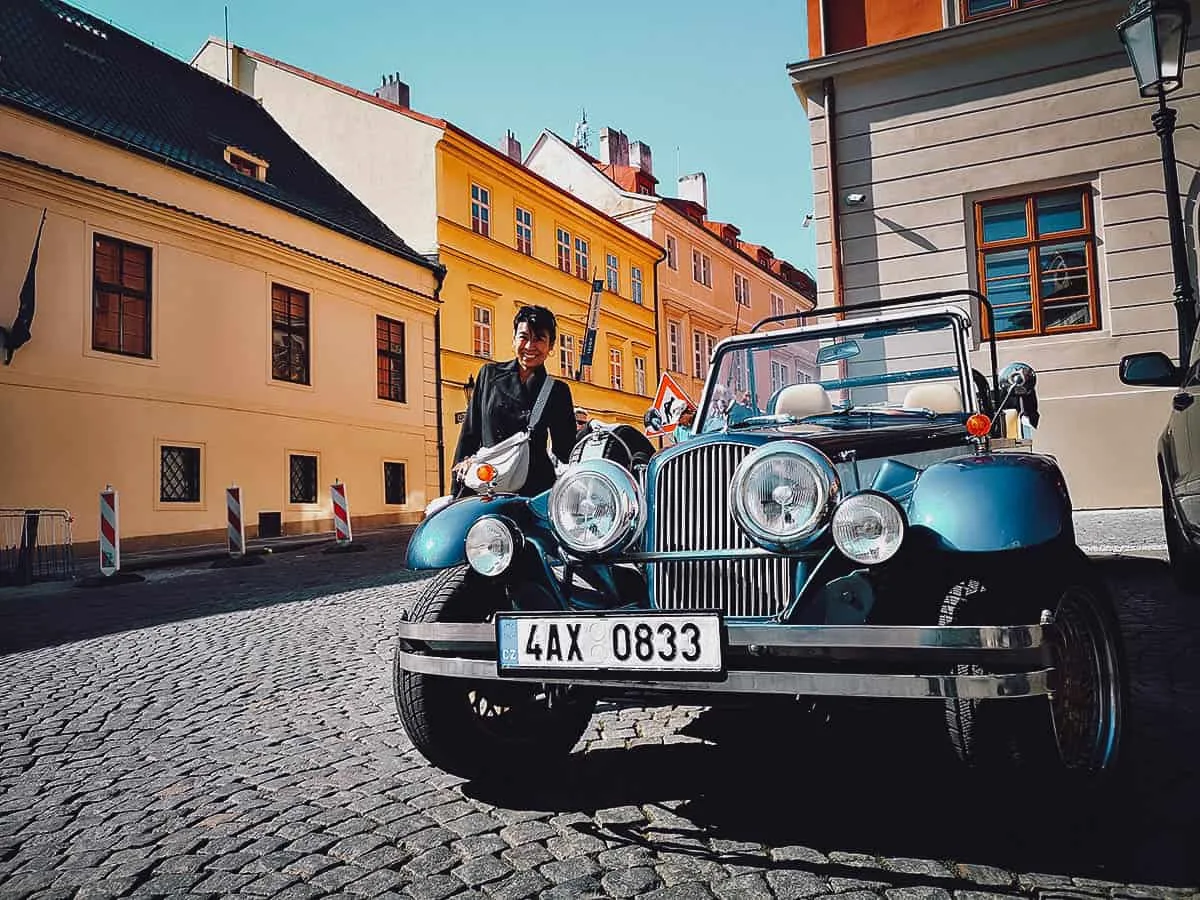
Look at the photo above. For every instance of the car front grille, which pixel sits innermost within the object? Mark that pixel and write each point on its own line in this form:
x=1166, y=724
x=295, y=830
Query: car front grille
x=691, y=513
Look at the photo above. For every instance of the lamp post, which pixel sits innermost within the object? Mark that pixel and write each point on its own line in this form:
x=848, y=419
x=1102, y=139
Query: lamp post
x=1155, y=37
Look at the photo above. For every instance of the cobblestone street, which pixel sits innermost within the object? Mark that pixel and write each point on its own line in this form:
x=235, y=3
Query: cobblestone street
x=231, y=731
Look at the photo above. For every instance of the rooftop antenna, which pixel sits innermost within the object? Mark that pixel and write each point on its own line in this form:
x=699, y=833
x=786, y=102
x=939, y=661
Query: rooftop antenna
x=581, y=132
x=228, y=54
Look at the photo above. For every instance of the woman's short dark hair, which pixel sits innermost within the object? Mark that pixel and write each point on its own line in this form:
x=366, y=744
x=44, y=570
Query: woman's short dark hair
x=539, y=319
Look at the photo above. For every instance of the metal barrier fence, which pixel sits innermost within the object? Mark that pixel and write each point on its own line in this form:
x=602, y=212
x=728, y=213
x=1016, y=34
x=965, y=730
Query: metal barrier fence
x=35, y=545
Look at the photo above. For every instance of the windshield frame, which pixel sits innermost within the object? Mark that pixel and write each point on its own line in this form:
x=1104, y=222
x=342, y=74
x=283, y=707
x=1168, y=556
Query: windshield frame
x=958, y=321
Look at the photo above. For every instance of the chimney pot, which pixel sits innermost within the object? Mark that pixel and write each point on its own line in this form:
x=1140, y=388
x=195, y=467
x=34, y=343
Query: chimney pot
x=694, y=187
x=511, y=147
x=639, y=157
x=394, y=91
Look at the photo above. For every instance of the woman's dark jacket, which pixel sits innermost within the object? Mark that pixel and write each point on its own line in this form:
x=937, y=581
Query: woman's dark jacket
x=500, y=407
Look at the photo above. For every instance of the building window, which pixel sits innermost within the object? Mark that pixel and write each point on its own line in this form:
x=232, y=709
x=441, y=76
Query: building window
x=1037, y=262
x=482, y=331
x=302, y=478
x=674, y=337
x=563, y=238
x=389, y=358
x=635, y=281
x=702, y=351
x=778, y=375
x=639, y=374
x=394, y=490
x=481, y=210
x=121, y=297
x=616, y=368
x=777, y=307
x=672, y=253
x=701, y=268
x=246, y=163
x=566, y=355
x=581, y=258
x=741, y=289
x=524, y=231
x=289, y=335
x=179, y=474
x=612, y=273
x=979, y=9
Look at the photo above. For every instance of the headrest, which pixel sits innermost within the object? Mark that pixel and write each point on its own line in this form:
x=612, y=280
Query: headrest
x=941, y=397
x=802, y=400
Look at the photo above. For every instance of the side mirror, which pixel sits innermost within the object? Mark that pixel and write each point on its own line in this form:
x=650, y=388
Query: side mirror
x=652, y=420
x=1149, y=370
x=1019, y=379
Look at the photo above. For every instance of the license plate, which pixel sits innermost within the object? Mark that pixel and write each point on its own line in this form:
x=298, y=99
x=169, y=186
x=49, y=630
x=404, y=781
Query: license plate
x=688, y=643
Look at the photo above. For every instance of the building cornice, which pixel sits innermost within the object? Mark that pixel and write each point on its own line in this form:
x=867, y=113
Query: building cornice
x=958, y=38
x=30, y=175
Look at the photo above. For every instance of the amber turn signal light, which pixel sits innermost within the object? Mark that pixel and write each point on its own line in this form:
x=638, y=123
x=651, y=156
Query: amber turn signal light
x=486, y=472
x=978, y=425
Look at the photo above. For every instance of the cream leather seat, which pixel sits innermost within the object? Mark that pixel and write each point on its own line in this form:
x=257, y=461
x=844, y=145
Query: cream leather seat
x=802, y=400
x=939, y=397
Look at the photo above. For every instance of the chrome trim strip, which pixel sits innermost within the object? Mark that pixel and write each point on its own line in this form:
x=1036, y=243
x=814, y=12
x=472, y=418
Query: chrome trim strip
x=912, y=687
x=731, y=553
x=883, y=637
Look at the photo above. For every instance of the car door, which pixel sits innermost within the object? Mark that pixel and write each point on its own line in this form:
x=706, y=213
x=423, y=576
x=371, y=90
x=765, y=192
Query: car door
x=1182, y=445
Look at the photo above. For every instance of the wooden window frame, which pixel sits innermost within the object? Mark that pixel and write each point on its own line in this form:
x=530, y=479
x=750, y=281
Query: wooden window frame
x=637, y=286
x=524, y=240
x=291, y=328
x=481, y=210
x=385, y=376
x=482, y=332
x=123, y=294
x=965, y=14
x=562, y=242
x=1032, y=242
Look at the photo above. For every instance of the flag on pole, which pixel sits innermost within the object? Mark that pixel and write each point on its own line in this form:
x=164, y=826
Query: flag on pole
x=593, y=323
x=19, y=333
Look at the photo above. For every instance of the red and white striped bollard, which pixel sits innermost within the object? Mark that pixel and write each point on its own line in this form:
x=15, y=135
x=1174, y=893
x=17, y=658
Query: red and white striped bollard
x=110, y=532
x=341, y=513
x=236, y=530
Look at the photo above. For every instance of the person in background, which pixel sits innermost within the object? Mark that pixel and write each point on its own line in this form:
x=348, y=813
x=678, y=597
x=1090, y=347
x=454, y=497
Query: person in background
x=505, y=393
x=683, y=430
x=743, y=409
x=581, y=421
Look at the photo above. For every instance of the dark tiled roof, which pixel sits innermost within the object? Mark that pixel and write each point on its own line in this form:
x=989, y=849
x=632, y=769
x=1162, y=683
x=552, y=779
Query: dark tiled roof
x=61, y=64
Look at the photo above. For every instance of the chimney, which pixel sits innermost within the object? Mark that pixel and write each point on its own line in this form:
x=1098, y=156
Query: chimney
x=694, y=187
x=511, y=147
x=639, y=157
x=614, y=147
x=393, y=90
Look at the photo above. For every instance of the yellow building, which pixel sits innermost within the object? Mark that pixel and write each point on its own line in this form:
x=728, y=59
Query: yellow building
x=211, y=305
x=506, y=235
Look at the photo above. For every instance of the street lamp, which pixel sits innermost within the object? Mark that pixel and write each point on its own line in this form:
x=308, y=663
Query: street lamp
x=1155, y=37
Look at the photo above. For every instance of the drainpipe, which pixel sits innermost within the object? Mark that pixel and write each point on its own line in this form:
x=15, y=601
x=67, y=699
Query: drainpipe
x=835, y=227
x=440, y=274
x=657, y=321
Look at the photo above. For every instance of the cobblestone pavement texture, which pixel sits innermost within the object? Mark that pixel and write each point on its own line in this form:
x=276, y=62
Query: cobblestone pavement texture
x=231, y=732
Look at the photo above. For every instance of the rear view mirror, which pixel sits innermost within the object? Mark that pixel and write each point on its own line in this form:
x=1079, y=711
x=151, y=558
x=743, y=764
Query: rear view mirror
x=1149, y=370
x=834, y=352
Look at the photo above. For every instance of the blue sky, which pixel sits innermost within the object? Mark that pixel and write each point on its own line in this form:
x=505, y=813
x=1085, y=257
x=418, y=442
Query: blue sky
x=706, y=77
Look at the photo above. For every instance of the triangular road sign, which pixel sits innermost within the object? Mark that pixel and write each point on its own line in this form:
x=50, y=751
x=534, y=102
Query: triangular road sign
x=669, y=402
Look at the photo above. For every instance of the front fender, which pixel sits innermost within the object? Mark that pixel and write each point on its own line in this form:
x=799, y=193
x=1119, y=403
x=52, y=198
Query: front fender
x=988, y=503
x=439, y=541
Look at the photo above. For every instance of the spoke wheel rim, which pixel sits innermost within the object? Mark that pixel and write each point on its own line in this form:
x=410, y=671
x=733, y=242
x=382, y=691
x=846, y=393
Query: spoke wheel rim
x=1086, y=705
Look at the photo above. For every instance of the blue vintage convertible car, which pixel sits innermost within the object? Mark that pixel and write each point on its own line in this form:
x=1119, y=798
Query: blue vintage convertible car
x=850, y=520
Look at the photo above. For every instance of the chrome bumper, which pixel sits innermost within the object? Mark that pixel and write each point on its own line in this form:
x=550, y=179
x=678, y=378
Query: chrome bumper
x=469, y=651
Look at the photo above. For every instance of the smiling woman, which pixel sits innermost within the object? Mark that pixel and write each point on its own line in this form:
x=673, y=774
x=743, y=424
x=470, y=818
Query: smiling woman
x=506, y=395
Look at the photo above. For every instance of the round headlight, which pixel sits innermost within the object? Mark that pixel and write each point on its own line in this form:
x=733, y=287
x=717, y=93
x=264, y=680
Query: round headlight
x=781, y=493
x=597, y=506
x=868, y=527
x=491, y=545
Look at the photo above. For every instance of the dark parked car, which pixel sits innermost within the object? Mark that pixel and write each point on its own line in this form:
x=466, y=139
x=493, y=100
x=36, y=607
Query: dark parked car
x=1178, y=457
x=863, y=535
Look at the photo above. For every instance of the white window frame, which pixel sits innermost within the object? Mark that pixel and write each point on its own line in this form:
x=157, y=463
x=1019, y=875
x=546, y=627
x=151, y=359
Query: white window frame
x=674, y=339
x=639, y=374
x=741, y=289
x=481, y=331
x=636, y=286
x=612, y=273
x=481, y=210
x=616, y=368
x=778, y=375
x=582, y=257
x=672, y=253
x=566, y=355
x=562, y=250
x=524, y=231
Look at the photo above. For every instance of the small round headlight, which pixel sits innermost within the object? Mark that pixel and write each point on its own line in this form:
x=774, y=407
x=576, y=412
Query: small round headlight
x=782, y=492
x=868, y=527
x=491, y=545
x=597, y=506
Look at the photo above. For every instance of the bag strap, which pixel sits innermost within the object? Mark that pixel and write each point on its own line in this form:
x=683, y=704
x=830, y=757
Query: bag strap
x=539, y=405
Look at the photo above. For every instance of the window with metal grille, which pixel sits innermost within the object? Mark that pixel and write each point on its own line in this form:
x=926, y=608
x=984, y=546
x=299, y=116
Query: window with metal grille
x=612, y=273
x=482, y=331
x=635, y=279
x=394, y=491
x=563, y=239
x=481, y=210
x=1037, y=262
x=289, y=335
x=581, y=258
x=389, y=358
x=525, y=231
x=179, y=474
x=121, y=297
x=302, y=478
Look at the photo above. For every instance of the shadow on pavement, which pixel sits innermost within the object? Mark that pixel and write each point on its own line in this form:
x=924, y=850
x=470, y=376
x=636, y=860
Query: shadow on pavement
x=879, y=778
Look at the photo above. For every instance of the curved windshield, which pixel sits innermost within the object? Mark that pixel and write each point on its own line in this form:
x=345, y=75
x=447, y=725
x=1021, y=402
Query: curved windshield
x=878, y=374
